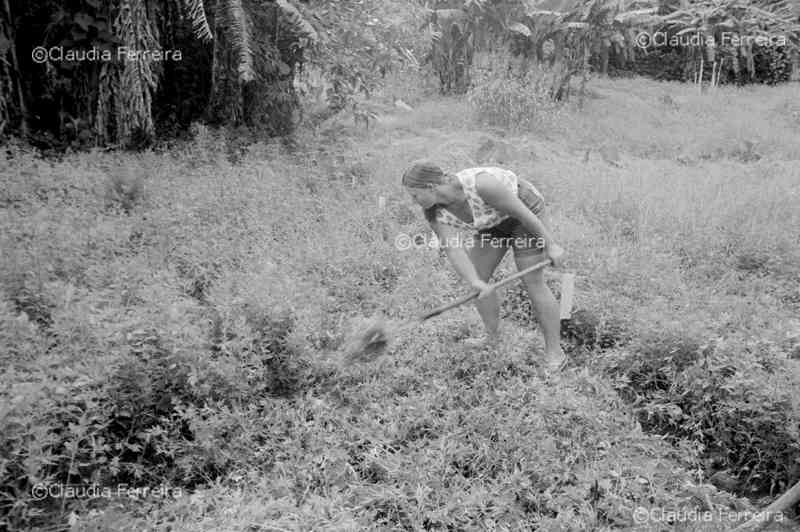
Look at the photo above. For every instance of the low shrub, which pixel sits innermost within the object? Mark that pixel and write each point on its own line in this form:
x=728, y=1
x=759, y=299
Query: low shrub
x=514, y=103
x=27, y=297
x=153, y=415
x=733, y=397
x=124, y=189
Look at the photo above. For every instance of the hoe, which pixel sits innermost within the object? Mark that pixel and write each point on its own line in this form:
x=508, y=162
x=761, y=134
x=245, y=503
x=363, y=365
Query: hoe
x=374, y=338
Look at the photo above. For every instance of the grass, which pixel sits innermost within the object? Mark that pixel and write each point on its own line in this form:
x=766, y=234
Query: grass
x=249, y=276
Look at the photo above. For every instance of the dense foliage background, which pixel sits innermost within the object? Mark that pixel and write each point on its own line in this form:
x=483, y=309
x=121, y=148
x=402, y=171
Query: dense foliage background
x=241, y=60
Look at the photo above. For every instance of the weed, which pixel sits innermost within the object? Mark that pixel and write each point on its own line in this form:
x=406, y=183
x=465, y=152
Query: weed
x=517, y=104
x=124, y=189
x=28, y=299
x=182, y=335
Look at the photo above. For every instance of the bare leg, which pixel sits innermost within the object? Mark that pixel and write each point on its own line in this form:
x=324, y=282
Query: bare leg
x=545, y=307
x=486, y=258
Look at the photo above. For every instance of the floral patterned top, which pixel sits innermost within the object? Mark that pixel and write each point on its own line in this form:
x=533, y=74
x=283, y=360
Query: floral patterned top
x=483, y=215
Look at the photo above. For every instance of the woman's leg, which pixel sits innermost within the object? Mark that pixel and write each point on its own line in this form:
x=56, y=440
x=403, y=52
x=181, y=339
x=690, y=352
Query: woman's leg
x=545, y=307
x=486, y=257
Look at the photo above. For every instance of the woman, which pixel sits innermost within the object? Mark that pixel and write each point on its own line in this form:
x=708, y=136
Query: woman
x=502, y=211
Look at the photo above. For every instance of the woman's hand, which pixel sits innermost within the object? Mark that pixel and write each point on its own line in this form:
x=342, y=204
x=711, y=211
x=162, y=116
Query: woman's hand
x=484, y=289
x=555, y=253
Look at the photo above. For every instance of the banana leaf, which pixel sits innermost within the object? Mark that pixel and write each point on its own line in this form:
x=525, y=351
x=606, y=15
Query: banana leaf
x=521, y=29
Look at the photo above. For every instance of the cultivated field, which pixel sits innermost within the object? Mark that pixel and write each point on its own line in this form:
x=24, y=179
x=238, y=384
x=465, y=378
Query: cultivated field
x=175, y=320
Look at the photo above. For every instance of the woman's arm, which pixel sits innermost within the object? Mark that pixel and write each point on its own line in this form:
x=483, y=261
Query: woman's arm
x=498, y=196
x=457, y=255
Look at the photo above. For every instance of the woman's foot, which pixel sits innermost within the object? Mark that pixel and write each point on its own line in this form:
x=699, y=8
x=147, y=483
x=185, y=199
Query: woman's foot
x=555, y=360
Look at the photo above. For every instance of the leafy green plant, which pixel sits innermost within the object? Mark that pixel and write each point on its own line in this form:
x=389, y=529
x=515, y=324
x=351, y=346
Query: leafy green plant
x=514, y=103
x=246, y=75
x=27, y=298
x=160, y=416
x=124, y=190
x=359, y=43
x=453, y=48
x=732, y=399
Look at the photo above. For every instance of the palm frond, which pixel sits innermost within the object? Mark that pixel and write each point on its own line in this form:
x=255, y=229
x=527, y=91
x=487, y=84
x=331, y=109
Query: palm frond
x=197, y=16
x=294, y=18
x=638, y=16
x=520, y=29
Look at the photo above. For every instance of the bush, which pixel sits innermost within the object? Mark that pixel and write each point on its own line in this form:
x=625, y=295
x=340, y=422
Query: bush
x=514, y=103
x=156, y=415
x=734, y=398
x=52, y=433
x=26, y=295
x=124, y=189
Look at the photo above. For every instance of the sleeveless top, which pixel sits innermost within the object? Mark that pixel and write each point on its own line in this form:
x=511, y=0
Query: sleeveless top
x=484, y=216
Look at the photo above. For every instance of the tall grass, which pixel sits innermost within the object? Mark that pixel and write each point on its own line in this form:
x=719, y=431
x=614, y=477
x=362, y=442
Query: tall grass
x=216, y=298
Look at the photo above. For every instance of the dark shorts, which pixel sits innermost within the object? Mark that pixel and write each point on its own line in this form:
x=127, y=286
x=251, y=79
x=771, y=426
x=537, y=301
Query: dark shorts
x=511, y=233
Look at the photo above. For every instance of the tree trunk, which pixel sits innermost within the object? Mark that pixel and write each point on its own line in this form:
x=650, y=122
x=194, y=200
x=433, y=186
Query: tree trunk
x=604, y=52
x=558, y=49
x=16, y=74
x=700, y=75
x=587, y=55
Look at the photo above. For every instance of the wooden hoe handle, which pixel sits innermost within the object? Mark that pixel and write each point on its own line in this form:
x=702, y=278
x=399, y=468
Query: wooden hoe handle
x=469, y=297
